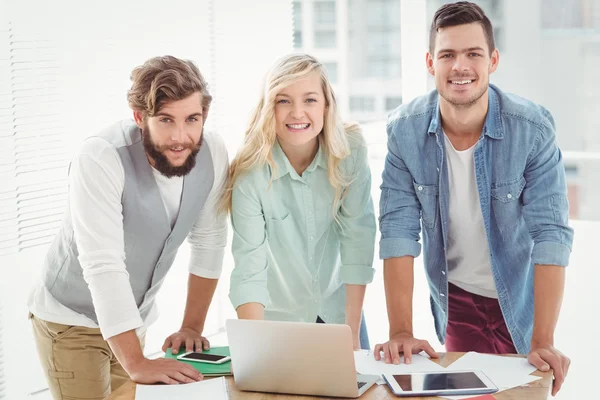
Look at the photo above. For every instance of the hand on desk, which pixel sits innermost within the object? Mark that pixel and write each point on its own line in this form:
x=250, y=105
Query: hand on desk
x=403, y=344
x=544, y=357
x=163, y=370
x=188, y=337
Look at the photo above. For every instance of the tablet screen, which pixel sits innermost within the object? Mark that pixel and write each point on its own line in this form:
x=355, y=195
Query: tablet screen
x=439, y=381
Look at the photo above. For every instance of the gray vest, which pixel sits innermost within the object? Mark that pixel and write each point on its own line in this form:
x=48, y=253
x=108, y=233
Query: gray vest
x=150, y=243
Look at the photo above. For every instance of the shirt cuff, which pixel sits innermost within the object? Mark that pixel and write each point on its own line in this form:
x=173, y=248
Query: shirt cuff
x=207, y=263
x=551, y=253
x=356, y=274
x=249, y=293
x=398, y=247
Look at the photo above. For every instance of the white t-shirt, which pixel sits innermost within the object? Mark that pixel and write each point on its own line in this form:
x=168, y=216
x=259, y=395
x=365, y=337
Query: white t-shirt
x=98, y=164
x=468, y=253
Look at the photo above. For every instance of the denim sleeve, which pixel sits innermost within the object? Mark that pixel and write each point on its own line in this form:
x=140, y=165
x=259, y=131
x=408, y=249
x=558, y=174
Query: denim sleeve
x=357, y=226
x=399, y=208
x=248, y=281
x=545, y=203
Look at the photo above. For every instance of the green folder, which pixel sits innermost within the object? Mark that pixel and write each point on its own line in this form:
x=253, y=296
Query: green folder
x=205, y=368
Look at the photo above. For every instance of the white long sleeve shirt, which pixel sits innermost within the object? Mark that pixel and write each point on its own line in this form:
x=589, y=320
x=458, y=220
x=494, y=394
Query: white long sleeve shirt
x=97, y=176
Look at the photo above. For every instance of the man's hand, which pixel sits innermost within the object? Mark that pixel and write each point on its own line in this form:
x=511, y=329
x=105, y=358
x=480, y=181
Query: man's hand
x=544, y=357
x=405, y=344
x=163, y=370
x=188, y=336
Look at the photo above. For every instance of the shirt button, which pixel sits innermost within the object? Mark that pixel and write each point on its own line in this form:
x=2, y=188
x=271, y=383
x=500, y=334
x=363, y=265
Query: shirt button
x=442, y=295
x=443, y=272
x=509, y=196
x=420, y=188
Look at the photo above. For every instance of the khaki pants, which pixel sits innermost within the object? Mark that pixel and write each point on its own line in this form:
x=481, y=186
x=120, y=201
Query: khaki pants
x=77, y=361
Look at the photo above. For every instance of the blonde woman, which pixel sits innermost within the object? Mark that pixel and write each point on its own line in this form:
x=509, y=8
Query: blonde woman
x=301, y=208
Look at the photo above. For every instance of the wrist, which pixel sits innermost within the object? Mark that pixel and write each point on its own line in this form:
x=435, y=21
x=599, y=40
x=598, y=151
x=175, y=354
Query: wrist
x=401, y=329
x=193, y=328
x=131, y=364
x=538, y=341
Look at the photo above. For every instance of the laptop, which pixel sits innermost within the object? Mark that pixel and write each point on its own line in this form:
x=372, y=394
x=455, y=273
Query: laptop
x=295, y=358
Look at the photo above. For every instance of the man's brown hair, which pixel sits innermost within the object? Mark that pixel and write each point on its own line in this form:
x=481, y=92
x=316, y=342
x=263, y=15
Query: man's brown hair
x=460, y=13
x=165, y=79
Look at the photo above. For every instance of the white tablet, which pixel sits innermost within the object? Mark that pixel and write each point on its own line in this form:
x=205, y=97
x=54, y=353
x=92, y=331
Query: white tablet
x=440, y=383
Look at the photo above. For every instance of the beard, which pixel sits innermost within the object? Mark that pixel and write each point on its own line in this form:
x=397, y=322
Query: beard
x=161, y=161
x=468, y=102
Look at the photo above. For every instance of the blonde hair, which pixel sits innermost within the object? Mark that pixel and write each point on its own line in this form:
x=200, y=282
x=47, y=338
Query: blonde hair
x=163, y=79
x=260, y=136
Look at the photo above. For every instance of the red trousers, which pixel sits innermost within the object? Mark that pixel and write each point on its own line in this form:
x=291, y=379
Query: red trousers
x=475, y=323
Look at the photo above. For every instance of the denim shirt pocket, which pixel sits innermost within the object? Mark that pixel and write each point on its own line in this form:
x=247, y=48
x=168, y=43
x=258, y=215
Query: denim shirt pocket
x=506, y=204
x=428, y=197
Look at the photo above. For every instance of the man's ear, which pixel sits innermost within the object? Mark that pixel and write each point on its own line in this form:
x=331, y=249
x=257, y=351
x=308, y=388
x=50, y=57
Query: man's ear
x=494, y=60
x=429, y=63
x=138, y=116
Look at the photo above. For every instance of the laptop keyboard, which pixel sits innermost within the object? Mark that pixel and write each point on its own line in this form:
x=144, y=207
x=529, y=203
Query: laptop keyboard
x=361, y=384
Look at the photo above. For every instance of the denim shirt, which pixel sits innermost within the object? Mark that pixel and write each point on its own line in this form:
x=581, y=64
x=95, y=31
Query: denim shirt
x=522, y=190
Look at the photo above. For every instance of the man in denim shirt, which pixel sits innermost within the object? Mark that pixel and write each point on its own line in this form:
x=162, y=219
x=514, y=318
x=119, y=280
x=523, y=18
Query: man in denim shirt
x=479, y=172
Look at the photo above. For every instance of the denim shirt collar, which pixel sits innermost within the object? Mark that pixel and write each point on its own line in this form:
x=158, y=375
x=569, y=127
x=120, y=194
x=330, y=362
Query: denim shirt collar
x=493, y=126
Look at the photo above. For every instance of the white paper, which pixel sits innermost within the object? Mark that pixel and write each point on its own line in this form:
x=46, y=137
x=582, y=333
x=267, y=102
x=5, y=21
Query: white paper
x=367, y=365
x=209, y=389
x=504, y=372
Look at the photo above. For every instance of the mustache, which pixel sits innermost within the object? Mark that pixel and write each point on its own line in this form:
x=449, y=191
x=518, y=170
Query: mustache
x=187, y=145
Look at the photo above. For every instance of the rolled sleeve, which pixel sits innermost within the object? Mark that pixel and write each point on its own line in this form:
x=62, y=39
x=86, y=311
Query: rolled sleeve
x=399, y=208
x=545, y=203
x=248, y=282
x=550, y=253
x=249, y=293
x=397, y=247
x=213, y=258
x=357, y=227
x=357, y=274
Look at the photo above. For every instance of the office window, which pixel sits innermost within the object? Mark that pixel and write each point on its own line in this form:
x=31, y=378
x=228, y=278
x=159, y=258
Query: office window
x=392, y=102
x=325, y=39
x=562, y=14
x=332, y=71
x=324, y=13
x=386, y=68
x=297, y=10
x=383, y=14
x=298, y=40
x=362, y=104
x=383, y=44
